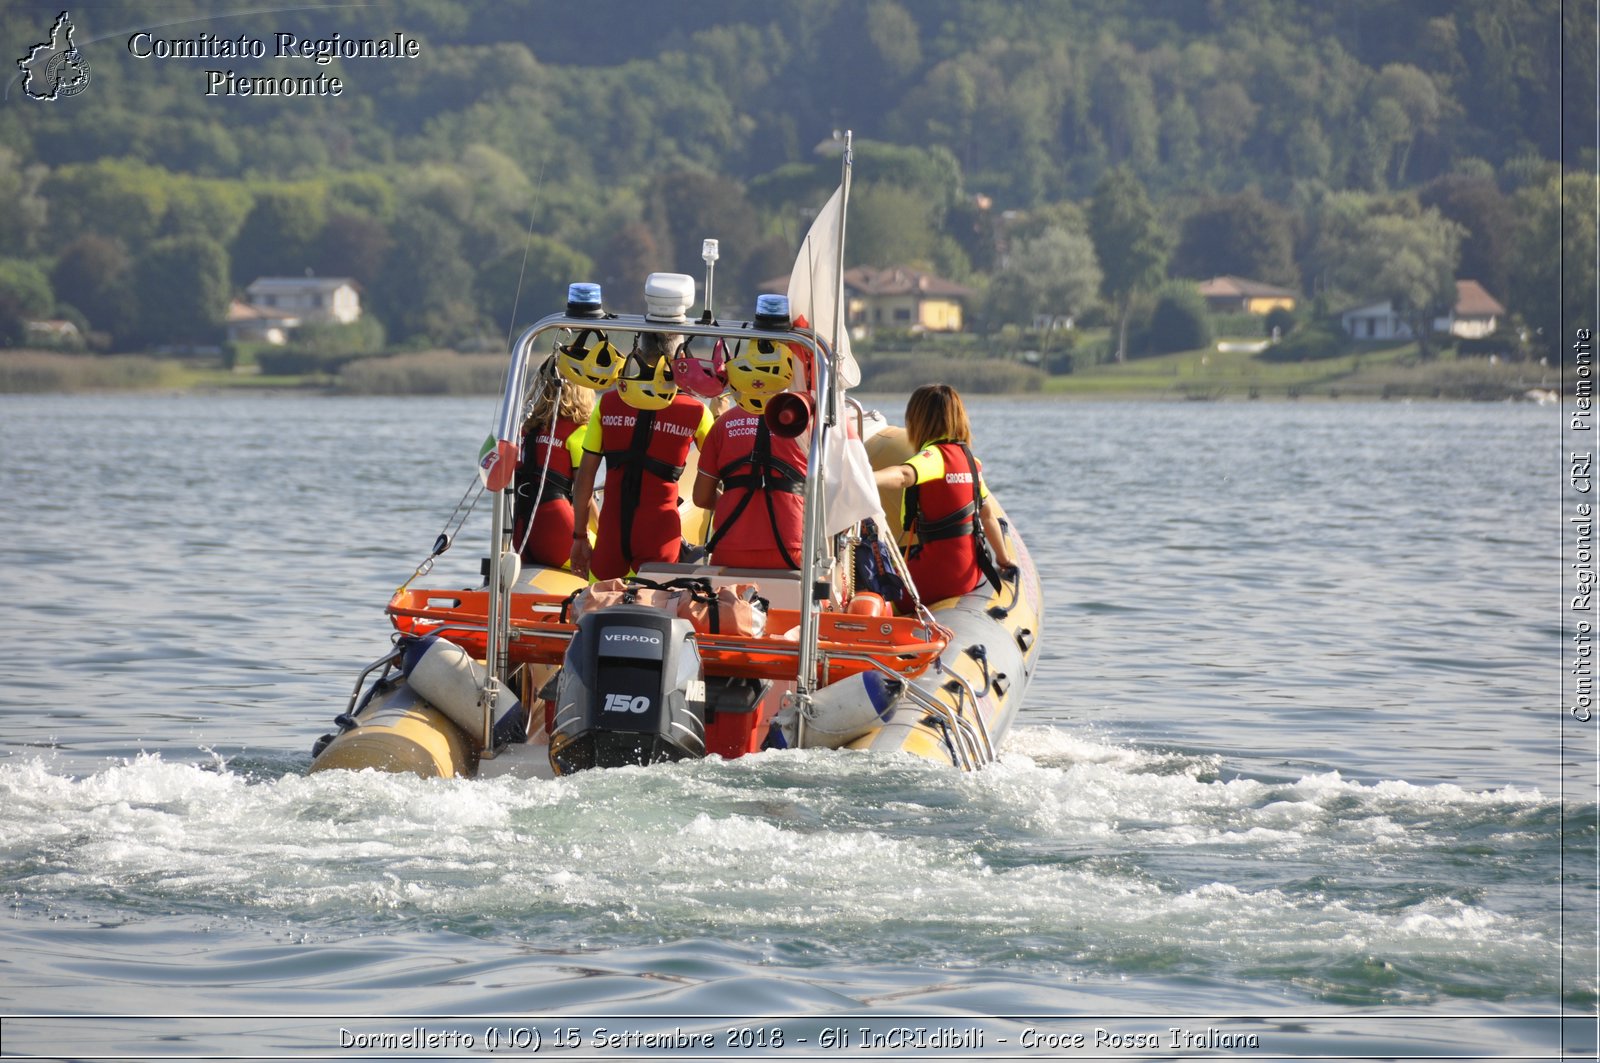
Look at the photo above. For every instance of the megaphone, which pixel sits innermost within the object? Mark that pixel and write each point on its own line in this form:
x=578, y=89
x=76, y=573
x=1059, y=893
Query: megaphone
x=788, y=414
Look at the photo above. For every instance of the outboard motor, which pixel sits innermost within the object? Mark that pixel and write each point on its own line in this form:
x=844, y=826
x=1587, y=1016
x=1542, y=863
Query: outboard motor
x=631, y=691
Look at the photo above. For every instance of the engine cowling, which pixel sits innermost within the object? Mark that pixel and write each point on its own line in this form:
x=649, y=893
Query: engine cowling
x=631, y=691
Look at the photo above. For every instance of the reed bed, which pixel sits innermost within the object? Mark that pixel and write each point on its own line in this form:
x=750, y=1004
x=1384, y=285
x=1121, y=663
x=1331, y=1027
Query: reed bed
x=436, y=372
x=969, y=375
x=26, y=372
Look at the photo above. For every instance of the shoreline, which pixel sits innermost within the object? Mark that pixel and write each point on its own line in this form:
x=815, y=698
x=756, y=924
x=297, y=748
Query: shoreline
x=34, y=372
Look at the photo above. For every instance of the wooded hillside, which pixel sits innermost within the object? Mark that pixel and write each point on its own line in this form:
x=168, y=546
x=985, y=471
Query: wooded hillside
x=1301, y=143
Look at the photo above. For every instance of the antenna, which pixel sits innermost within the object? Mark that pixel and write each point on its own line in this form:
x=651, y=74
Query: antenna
x=516, y=300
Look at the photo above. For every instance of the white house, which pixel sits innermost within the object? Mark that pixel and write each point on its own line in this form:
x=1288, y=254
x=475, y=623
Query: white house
x=1376, y=321
x=314, y=300
x=1475, y=314
x=254, y=324
x=276, y=306
x=54, y=332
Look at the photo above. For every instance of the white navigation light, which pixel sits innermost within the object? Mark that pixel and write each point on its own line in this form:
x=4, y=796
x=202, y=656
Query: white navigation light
x=708, y=251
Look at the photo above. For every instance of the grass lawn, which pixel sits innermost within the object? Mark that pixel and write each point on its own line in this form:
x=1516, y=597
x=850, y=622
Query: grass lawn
x=1375, y=372
x=1389, y=371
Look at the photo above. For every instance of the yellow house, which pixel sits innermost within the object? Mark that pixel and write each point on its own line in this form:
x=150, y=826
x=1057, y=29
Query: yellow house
x=898, y=298
x=1233, y=295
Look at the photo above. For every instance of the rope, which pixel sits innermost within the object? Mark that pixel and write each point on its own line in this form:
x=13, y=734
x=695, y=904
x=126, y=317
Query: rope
x=458, y=517
x=541, y=385
x=446, y=537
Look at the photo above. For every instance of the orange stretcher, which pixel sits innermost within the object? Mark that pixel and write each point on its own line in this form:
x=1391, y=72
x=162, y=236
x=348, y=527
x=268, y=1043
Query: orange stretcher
x=848, y=643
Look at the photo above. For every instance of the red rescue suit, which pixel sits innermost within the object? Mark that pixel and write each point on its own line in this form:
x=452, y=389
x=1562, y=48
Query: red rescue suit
x=544, y=493
x=645, y=452
x=760, y=515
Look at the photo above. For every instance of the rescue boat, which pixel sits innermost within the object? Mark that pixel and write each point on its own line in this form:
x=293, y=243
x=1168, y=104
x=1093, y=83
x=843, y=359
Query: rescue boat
x=516, y=675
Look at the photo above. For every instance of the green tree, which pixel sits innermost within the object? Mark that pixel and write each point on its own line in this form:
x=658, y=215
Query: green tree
x=627, y=256
x=1180, y=137
x=95, y=274
x=1124, y=103
x=1244, y=235
x=181, y=285
x=213, y=208
x=24, y=296
x=1053, y=273
x=370, y=194
x=932, y=173
x=689, y=207
x=1477, y=204
x=1408, y=260
x=501, y=195
x=1553, y=280
x=110, y=197
x=352, y=244
x=889, y=226
x=23, y=209
x=425, y=293
x=1179, y=321
x=1129, y=243
x=534, y=280
x=278, y=237
x=1309, y=156
x=1406, y=107
x=1227, y=117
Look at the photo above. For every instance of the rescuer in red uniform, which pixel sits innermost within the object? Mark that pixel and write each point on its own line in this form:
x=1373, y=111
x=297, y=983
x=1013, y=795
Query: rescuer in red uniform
x=946, y=502
x=752, y=479
x=542, y=516
x=644, y=430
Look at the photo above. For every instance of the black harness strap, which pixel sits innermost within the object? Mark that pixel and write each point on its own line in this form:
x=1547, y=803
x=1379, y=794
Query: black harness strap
x=533, y=491
x=953, y=526
x=635, y=462
x=547, y=488
x=980, y=544
x=767, y=474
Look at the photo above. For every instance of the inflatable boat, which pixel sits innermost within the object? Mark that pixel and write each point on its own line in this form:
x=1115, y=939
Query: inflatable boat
x=533, y=671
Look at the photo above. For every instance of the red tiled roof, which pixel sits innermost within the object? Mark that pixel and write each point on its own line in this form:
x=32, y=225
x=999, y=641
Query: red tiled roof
x=890, y=280
x=1473, y=301
x=1242, y=288
x=900, y=280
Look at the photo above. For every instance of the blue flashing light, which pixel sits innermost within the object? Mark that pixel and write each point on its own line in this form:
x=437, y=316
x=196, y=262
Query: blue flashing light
x=583, y=299
x=772, y=311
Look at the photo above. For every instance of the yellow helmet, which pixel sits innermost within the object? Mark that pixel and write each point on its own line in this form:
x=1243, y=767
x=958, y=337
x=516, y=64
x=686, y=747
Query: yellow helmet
x=589, y=366
x=645, y=388
x=761, y=369
x=755, y=403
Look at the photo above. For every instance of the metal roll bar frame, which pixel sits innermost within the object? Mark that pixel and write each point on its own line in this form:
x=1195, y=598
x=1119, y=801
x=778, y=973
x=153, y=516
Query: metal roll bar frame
x=816, y=554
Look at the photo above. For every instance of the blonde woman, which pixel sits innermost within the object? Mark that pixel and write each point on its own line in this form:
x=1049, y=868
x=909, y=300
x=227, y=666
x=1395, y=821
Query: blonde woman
x=542, y=516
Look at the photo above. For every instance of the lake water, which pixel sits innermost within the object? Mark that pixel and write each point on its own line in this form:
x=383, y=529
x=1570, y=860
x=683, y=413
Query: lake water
x=1292, y=779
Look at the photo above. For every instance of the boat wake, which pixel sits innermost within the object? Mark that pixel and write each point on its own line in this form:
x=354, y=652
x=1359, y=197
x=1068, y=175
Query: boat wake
x=1069, y=860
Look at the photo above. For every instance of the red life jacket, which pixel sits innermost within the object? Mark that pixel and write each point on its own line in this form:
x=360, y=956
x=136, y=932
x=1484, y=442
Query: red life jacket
x=751, y=463
x=944, y=562
x=645, y=452
x=544, y=494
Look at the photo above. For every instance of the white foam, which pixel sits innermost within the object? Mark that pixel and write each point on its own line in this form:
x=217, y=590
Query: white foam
x=1087, y=850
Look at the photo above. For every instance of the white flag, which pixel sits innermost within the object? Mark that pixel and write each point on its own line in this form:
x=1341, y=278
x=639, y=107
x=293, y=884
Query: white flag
x=814, y=286
x=851, y=491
